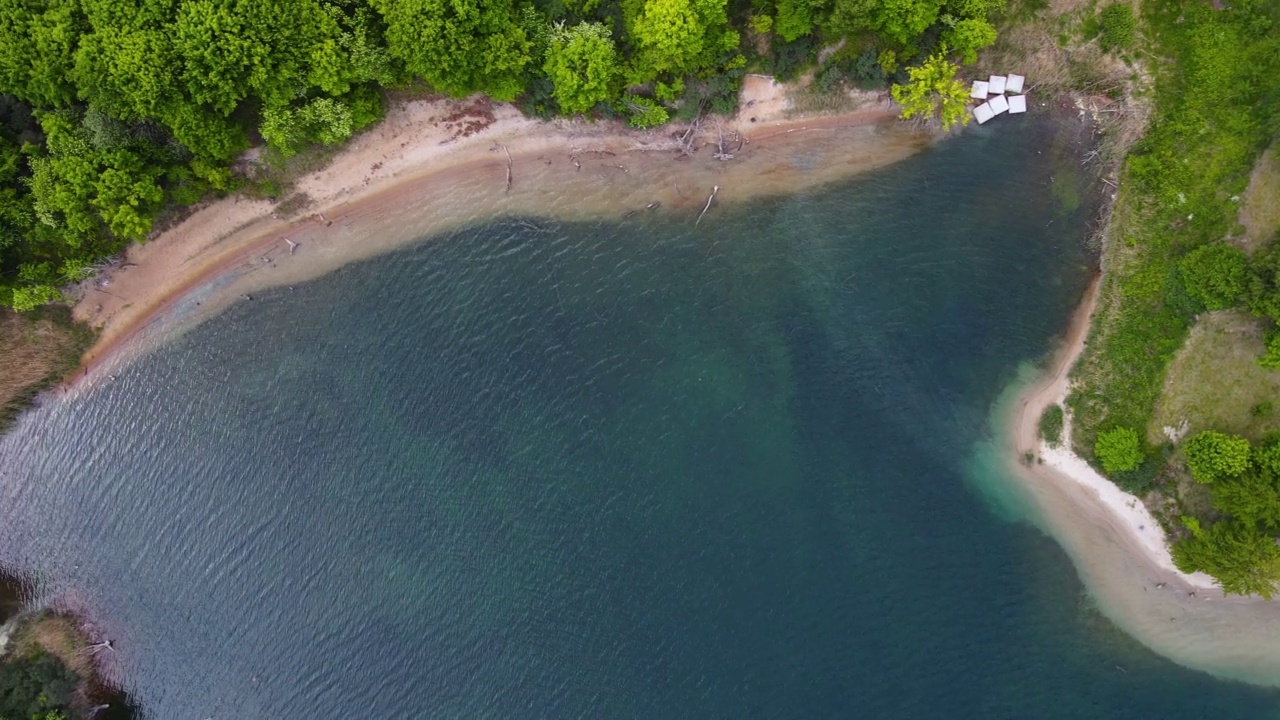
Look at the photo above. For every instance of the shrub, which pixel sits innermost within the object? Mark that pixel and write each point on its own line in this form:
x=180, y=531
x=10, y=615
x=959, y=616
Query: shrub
x=1215, y=275
x=645, y=113
x=1212, y=455
x=1118, y=25
x=1270, y=358
x=1118, y=449
x=1051, y=424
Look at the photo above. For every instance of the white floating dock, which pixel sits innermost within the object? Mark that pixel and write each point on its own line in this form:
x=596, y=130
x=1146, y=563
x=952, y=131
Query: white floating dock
x=996, y=84
x=983, y=113
x=979, y=91
x=1017, y=104
x=998, y=104
x=1014, y=84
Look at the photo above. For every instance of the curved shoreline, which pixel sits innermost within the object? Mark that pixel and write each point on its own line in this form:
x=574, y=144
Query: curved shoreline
x=402, y=181
x=1120, y=552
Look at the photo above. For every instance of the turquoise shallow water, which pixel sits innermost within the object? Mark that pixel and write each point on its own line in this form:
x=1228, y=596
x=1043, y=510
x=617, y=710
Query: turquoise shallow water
x=615, y=470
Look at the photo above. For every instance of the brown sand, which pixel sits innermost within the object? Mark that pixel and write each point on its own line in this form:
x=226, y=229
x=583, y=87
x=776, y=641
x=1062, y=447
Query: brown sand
x=1201, y=628
x=411, y=176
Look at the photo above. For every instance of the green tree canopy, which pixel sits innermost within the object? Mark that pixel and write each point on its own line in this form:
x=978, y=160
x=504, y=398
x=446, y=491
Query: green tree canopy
x=1212, y=455
x=1264, y=282
x=78, y=189
x=1215, y=275
x=968, y=36
x=1251, y=498
x=459, y=46
x=677, y=37
x=1243, y=560
x=934, y=92
x=37, y=40
x=583, y=65
x=1118, y=449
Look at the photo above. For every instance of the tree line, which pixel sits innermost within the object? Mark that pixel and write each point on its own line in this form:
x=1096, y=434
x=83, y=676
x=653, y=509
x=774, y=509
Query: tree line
x=112, y=111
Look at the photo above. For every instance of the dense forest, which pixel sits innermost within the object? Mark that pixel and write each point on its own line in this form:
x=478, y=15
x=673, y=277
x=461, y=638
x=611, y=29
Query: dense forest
x=111, y=111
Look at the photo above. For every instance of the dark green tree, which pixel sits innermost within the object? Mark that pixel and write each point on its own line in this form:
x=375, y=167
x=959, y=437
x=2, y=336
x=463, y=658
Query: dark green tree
x=583, y=64
x=1215, y=275
x=459, y=46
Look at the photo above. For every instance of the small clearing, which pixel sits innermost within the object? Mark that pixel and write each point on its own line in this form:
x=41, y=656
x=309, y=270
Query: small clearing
x=1215, y=382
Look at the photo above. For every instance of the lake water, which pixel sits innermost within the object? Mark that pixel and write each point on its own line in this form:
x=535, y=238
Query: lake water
x=635, y=469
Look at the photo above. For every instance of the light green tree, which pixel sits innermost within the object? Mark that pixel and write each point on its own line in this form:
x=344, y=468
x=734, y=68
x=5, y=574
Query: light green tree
x=583, y=65
x=1243, y=560
x=1251, y=498
x=1212, y=455
x=1215, y=275
x=1118, y=449
x=677, y=37
x=898, y=22
x=1270, y=357
x=77, y=188
x=933, y=92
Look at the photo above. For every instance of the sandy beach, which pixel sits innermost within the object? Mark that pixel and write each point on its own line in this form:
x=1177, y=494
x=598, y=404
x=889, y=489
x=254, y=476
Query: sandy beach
x=1121, y=552
x=432, y=166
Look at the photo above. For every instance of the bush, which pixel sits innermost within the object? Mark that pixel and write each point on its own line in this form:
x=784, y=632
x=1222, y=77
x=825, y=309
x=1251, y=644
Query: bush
x=1212, y=455
x=1270, y=358
x=33, y=686
x=1215, y=276
x=1118, y=25
x=1118, y=449
x=1051, y=424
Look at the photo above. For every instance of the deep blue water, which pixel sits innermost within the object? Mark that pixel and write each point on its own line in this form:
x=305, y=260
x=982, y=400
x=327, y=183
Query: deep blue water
x=612, y=470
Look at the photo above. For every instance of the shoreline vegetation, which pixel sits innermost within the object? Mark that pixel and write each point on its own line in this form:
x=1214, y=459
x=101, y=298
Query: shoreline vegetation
x=49, y=664
x=79, y=159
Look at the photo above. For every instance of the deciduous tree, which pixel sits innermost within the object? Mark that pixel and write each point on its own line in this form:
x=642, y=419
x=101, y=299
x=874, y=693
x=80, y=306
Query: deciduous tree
x=459, y=46
x=583, y=64
x=1212, y=455
x=1118, y=449
x=934, y=92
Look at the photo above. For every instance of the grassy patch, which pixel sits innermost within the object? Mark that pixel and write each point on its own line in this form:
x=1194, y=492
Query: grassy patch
x=1051, y=424
x=37, y=349
x=1260, y=205
x=1215, y=382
